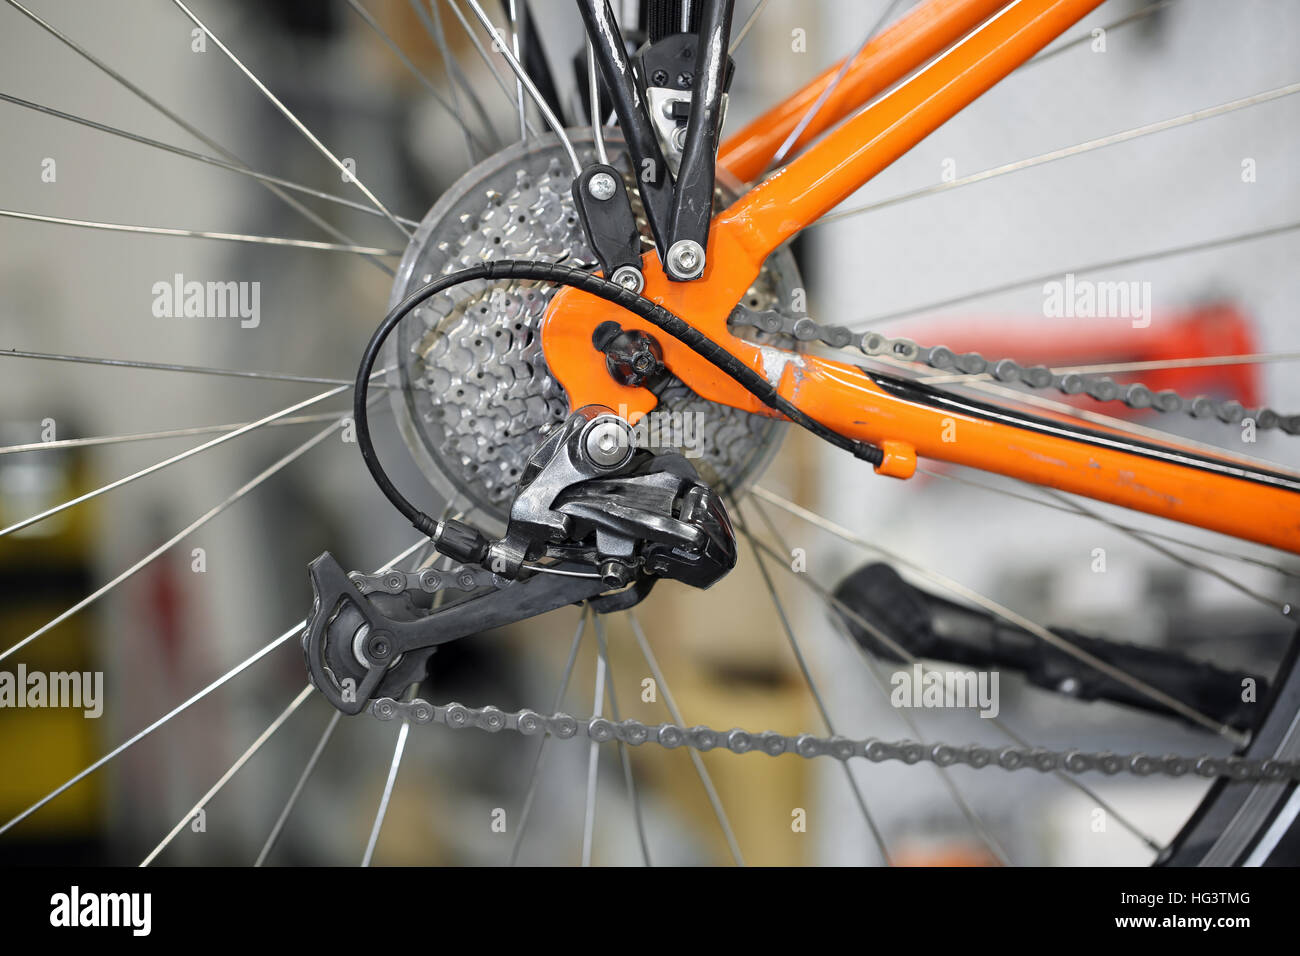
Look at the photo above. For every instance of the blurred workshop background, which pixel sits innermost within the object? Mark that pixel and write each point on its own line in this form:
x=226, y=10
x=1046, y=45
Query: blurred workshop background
x=186, y=616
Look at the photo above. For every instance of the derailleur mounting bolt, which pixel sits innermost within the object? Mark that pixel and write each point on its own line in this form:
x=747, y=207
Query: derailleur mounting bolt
x=606, y=443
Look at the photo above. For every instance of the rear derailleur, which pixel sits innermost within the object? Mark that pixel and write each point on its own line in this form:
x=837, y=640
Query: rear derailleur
x=594, y=519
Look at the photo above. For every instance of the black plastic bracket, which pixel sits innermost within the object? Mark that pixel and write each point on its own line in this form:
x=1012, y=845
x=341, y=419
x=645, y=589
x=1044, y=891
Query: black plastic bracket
x=606, y=214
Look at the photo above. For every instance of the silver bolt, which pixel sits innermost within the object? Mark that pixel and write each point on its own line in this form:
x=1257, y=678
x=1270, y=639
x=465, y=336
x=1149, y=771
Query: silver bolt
x=685, y=259
x=679, y=138
x=601, y=186
x=607, y=443
x=629, y=277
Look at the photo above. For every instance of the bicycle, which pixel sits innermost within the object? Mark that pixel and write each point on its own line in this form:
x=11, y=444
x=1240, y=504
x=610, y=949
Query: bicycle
x=591, y=279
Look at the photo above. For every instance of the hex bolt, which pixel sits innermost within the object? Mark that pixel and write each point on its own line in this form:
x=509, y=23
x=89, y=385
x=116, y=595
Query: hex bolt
x=629, y=277
x=615, y=574
x=606, y=444
x=686, y=259
x=601, y=186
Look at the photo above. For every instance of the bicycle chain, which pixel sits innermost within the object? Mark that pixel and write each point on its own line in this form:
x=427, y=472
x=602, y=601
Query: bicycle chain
x=1008, y=371
x=635, y=733
x=430, y=580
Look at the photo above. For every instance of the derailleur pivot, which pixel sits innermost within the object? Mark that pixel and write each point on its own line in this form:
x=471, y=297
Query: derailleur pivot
x=594, y=519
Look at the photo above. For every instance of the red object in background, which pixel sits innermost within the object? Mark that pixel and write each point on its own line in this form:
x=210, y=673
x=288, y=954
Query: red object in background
x=1211, y=330
x=164, y=609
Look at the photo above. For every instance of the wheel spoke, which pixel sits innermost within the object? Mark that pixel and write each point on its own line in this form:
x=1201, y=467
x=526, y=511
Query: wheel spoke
x=431, y=19
x=199, y=234
x=839, y=606
x=973, y=819
x=512, y=9
x=539, y=757
x=253, y=748
x=132, y=741
x=816, y=693
x=747, y=26
x=191, y=369
x=873, y=670
x=593, y=766
x=1151, y=256
x=816, y=108
x=199, y=157
x=526, y=82
x=415, y=71
x=593, y=86
x=171, y=542
x=65, y=443
x=623, y=754
x=1080, y=508
x=398, y=750
x=1007, y=614
x=715, y=801
x=483, y=54
x=181, y=456
x=298, y=788
x=1078, y=149
x=301, y=127
x=198, y=134
x=181, y=707
x=1087, y=37
x=948, y=476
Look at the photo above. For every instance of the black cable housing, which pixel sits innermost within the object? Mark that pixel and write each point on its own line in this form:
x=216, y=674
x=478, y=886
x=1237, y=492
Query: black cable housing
x=641, y=307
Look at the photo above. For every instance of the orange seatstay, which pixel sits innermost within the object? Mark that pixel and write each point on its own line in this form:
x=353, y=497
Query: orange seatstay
x=923, y=32
x=844, y=397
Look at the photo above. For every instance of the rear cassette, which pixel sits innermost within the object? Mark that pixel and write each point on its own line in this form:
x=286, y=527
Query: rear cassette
x=473, y=390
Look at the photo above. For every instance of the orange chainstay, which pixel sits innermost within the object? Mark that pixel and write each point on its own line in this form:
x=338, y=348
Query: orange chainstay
x=844, y=397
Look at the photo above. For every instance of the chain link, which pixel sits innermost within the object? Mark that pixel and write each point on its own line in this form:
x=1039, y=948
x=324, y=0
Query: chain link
x=1103, y=388
x=430, y=580
x=671, y=736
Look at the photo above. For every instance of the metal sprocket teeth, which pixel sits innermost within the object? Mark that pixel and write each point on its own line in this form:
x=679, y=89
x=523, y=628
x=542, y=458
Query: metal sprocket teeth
x=480, y=390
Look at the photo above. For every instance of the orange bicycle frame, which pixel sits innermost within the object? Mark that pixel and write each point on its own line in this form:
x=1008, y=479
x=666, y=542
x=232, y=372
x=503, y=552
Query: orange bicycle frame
x=984, y=40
